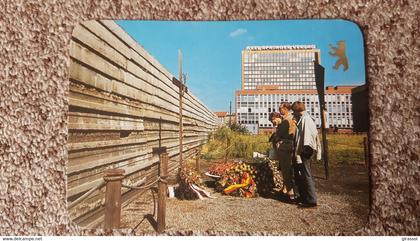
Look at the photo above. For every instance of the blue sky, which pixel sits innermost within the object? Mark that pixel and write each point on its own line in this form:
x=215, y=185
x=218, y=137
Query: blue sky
x=212, y=50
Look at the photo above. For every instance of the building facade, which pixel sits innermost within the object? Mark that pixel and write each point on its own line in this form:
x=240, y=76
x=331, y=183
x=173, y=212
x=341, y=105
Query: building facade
x=274, y=74
x=285, y=67
x=223, y=118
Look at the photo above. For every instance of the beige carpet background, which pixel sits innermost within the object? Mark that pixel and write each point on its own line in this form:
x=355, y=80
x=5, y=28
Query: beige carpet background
x=34, y=40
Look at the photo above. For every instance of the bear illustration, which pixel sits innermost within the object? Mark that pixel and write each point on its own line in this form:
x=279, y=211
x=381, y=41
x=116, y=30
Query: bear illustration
x=340, y=52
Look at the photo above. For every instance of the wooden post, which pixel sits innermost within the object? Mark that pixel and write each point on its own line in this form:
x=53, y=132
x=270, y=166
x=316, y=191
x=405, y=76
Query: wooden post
x=182, y=89
x=181, y=93
x=366, y=149
x=230, y=113
x=162, y=192
x=160, y=131
x=226, y=147
x=113, y=179
x=324, y=141
x=319, y=80
x=368, y=165
x=197, y=164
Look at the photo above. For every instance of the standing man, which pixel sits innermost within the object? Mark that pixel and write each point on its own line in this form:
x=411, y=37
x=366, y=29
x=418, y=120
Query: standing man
x=306, y=145
x=275, y=118
x=285, y=134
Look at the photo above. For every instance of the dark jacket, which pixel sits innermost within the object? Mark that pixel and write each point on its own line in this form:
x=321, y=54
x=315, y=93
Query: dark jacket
x=285, y=134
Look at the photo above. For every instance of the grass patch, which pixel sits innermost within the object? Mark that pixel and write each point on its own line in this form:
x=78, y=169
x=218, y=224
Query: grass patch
x=226, y=143
x=346, y=149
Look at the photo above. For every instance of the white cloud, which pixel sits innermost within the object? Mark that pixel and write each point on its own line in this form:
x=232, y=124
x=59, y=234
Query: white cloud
x=237, y=32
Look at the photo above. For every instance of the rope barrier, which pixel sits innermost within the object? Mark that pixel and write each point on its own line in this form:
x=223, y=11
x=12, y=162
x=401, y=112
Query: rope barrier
x=163, y=180
x=102, y=183
x=174, y=160
x=77, y=201
x=135, y=186
x=143, y=187
x=177, y=160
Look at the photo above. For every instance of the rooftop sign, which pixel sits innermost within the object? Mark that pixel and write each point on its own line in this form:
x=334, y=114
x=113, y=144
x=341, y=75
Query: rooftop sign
x=281, y=47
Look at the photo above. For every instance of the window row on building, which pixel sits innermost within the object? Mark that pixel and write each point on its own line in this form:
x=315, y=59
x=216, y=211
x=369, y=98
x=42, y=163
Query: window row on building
x=278, y=56
x=279, y=66
x=254, y=109
x=334, y=98
x=286, y=73
x=283, y=85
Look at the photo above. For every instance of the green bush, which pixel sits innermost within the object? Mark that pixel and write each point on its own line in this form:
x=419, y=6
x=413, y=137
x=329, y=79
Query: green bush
x=236, y=127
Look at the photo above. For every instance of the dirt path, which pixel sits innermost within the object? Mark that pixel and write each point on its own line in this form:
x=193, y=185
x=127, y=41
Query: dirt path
x=343, y=208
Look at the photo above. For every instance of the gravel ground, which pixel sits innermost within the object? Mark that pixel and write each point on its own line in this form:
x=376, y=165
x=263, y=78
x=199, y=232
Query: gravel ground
x=342, y=208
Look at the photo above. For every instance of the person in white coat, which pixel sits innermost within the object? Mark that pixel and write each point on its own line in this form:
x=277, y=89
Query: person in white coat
x=306, y=146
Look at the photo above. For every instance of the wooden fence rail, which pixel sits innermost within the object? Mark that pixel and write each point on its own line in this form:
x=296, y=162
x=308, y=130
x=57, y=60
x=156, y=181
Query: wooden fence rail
x=122, y=104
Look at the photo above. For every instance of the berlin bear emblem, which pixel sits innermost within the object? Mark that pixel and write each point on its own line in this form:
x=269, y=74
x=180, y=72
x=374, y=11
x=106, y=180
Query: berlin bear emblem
x=340, y=52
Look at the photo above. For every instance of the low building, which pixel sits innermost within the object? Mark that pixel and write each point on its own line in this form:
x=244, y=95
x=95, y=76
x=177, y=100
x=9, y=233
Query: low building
x=254, y=106
x=224, y=117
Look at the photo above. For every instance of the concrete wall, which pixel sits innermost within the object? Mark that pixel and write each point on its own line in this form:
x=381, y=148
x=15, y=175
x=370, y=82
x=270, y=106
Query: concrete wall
x=118, y=93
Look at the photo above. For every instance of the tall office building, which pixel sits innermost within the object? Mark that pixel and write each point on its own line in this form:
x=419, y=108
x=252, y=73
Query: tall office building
x=273, y=74
x=282, y=67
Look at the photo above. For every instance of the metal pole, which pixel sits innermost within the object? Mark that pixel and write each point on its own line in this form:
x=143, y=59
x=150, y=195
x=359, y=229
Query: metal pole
x=113, y=179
